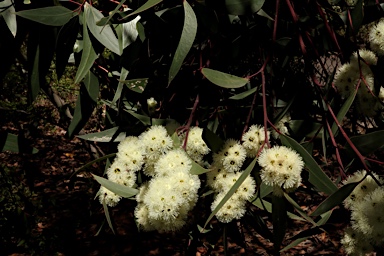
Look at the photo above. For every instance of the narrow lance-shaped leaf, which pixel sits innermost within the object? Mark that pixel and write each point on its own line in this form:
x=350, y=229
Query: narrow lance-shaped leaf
x=144, y=7
x=8, y=12
x=118, y=189
x=123, y=75
x=88, y=55
x=279, y=219
x=104, y=35
x=104, y=136
x=316, y=176
x=344, y=110
x=233, y=189
x=51, y=16
x=223, y=79
x=35, y=76
x=106, y=212
x=335, y=199
x=14, y=143
x=89, y=164
x=243, y=95
x=186, y=41
x=367, y=143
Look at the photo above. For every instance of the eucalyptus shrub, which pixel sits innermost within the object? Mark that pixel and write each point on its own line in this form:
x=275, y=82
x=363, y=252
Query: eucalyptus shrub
x=195, y=89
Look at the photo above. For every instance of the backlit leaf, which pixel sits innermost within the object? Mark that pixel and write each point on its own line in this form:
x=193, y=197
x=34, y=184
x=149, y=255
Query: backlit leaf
x=104, y=35
x=186, y=40
x=51, y=15
x=223, y=79
x=335, y=199
x=118, y=189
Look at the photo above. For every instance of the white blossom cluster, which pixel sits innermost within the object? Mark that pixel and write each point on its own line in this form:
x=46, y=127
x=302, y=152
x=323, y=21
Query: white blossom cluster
x=164, y=201
x=366, y=203
x=355, y=73
x=281, y=168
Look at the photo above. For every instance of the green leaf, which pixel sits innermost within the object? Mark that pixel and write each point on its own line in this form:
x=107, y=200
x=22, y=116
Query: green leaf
x=223, y=79
x=89, y=164
x=144, y=7
x=35, y=75
x=104, y=136
x=176, y=140
x=294, y=243
x=243, y=95
x=299, y=210
x=104, y=35
x=343, y=111
x=86, y=102
x=197, y=169
x=357, y=15
x=335, y=199
x=186, y=41
x=241, y=7
x=52, y=15
x=88, y=56
x=106, y=212
x=324, y=218
x=213, y=141
x=265, y=205
x=279, y=220
x=123, y=75
x=316, y=176
x=118, y=189
x=137, y=85
x=367, y=143
x=235, y=186
x=14, y=143
x=9, y=16
x=147, y=120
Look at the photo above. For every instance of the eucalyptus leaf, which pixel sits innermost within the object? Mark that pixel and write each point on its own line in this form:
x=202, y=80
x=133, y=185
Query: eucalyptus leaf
x=279, y=220
x=213, y=141
x=240, y=7
x=343, y=111
x=106, y=212
x=186, y=41
x=335, y=199
x=223, y=79
x=123, y=75
x=197, y=169
x=118, y=189
x=144, y=7
x=104, y=136
x=243, y=95
x=9, y=15
x=88, y=56
x=14, y=143
x=51, y=15
x=104, y=35
x=137, y=85
x=367, y=143
x=147, y=120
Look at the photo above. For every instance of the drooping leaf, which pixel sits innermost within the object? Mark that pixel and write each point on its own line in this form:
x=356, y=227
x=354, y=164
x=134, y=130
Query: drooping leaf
x=104, y=136
x=335, y=199
x=243, y=95
x=35, y=75
x=89, y=164
x=294, y=243
x=213, y=141
x=279, y=220
x=367, y=143
x=223, y=79
x=123, y=75
x=316, y=176
x=241, y=7
x=233, y=189
x=86, y=102
x=265, y=205
x=147, y=120
x=104, y=35
x=51, y=15
x=324, y=218
x=130, y=32
x=64, y=44
x=144, y=7
x=343, y=111
x=137, y=85
x=188, y=35
x=106, y=212
x=9, y=15
x=88, y=55
x=14, y=143
x=299, y=210
x=357, y=15
x=118, y=189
